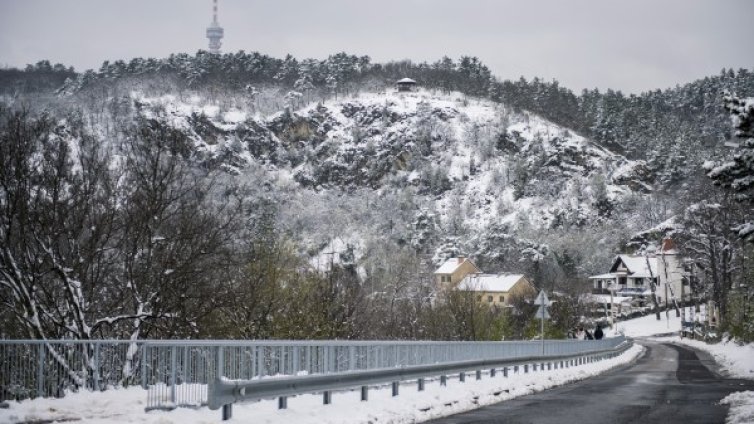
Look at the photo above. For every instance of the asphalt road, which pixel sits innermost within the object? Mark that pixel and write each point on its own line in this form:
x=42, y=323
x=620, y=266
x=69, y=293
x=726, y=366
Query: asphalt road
x=669, y=384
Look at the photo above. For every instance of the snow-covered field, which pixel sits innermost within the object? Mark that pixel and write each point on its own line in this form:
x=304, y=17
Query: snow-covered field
x=127, y=405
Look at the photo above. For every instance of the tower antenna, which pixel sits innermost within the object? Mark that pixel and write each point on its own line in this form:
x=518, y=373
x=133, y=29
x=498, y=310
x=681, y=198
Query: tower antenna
x=215, y=32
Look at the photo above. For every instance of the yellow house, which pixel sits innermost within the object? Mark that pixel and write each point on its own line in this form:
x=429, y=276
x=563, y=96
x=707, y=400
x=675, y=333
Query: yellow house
x=497, y=289
x=453, y=271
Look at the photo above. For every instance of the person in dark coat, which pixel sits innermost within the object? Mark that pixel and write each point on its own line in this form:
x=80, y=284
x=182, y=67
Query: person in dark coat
x=598, y=334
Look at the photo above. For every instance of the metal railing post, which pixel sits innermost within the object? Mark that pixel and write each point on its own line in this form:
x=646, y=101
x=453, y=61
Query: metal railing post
x=219, y=363
x=144, y=366
x=95, y=373
x=260, y=361
x=41, y=370
x=396, y=385
x=351, y=358
x=173, y=366
x=364, y=393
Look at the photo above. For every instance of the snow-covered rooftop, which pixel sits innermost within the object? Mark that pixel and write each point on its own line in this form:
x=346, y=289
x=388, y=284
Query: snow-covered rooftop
x=640, y=266
x=490, y=282
x=451, y=265
x=406, y=81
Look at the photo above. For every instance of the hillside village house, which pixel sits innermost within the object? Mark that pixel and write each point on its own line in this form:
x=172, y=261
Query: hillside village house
x=405, y=84
x=628, y=283
x=491, y=289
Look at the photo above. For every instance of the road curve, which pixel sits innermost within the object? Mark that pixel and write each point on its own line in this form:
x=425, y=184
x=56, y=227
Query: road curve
x=669, y=384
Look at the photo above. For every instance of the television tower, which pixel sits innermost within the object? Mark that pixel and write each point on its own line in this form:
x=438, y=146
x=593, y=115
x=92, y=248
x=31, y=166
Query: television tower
x=214, y=31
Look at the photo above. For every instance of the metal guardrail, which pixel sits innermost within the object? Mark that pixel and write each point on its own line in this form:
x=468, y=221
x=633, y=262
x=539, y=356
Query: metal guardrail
x=177, y=373
x=223, y=392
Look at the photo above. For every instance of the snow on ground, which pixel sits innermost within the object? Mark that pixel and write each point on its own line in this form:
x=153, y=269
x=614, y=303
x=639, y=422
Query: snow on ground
x=127, y=405
x=741, y=407
x=648, y=325
x=735, y=359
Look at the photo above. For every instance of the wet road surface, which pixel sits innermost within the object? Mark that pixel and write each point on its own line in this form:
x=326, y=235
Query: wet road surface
x=669, y=384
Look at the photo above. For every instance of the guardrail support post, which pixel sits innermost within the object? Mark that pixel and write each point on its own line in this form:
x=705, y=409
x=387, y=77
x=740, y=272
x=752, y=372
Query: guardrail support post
x=492, y=372
x=443, y=380
x=549, y=366
x=395, y=385
x=478, y=374
x=420, y=384
x=326, y=397
x=505, y=372
x=364, y=393
x=283, y=402
x=227, y=411
x=462, y=377
x=526, y=368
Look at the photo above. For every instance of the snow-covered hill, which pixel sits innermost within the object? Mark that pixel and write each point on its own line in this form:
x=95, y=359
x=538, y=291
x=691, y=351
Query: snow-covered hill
x=462, y=159
x=441, y=173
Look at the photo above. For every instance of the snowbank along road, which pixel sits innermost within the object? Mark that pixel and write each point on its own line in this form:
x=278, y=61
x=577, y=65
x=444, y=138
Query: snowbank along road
x=669, y=384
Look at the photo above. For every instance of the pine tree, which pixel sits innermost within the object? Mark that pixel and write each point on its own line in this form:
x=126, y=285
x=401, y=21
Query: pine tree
x=737, y=174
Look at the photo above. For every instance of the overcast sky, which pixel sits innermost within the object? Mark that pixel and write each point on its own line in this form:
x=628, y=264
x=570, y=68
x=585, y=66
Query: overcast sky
x=631, y=45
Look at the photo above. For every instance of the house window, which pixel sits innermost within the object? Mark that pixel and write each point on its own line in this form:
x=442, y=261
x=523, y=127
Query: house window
x=599, y=284
x=502, y=299
x=489, y=299
x=638, y=281
x=609, y=306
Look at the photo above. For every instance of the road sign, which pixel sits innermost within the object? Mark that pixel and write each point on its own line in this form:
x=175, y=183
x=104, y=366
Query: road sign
x=542, y=313
x=542, y=299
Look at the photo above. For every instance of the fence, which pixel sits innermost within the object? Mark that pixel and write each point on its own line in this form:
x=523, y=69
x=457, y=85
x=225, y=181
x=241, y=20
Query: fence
x=41, y=368
x=225, y=392
x=176, y=373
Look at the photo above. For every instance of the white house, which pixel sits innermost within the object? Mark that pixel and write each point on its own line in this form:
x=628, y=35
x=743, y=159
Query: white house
x=632, y=276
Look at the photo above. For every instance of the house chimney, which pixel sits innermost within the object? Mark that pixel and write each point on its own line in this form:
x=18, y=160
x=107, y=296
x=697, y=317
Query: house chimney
x=667, y=244
x=461, y=259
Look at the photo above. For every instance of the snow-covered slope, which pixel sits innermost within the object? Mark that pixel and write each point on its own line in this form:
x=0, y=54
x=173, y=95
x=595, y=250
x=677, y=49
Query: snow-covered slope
x=462, y=162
